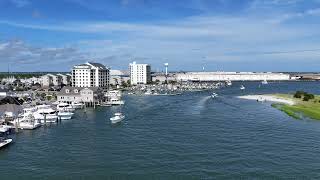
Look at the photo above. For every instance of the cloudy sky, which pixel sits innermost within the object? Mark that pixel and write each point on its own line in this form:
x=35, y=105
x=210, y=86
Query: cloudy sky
x=223, y=35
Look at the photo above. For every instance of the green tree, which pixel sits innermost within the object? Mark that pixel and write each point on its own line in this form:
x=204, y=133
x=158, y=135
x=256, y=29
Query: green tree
x=299, y=94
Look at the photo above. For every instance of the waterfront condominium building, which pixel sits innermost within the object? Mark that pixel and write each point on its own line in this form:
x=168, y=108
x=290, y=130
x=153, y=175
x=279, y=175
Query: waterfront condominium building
x=50, y=80
x=90, y=75
x=139, y=73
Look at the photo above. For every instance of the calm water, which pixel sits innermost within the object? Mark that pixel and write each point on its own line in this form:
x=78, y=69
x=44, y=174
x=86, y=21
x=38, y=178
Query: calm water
x=173, y=137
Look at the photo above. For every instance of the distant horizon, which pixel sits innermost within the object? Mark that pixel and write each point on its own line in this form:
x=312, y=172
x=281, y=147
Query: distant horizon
x=44, y=72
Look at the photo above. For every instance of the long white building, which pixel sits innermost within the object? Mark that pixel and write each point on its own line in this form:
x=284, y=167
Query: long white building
x=139, y=73
x=51, y=80
x=232, y=76
x=90, y=75
x=65, y=78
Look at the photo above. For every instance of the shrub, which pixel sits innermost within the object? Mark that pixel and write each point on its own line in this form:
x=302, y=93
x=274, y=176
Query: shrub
x=307, y=97
x=299, y=94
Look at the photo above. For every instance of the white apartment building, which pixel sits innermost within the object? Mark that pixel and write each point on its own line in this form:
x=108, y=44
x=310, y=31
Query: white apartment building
x=51, y=80
x=90, y=75
x=46, y=80
x=139, y=73
x=65, y=78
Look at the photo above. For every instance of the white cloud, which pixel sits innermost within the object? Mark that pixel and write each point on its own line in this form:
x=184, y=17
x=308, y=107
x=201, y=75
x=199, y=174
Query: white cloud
x=20, y=3
x=221, y=39
x=24, y=56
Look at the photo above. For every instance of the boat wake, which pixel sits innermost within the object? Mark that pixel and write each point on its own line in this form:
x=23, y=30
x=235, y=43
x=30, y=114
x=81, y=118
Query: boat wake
x=200, y=105
x=225, y=102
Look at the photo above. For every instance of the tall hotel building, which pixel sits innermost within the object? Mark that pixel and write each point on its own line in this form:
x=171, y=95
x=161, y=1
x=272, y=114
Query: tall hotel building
x=90, y=75
x=139, y=73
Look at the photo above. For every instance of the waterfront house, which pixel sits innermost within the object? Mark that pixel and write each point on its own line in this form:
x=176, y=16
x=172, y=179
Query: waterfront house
x=88, y=95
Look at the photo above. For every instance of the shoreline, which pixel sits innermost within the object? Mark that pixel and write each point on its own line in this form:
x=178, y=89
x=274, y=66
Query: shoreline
x=267, y=98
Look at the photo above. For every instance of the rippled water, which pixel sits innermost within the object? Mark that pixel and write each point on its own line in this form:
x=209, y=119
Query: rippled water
x=174, y=137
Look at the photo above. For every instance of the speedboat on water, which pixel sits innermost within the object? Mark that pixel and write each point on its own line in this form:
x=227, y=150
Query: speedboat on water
x=214, y=95
x=118, y=117
x=242, y=87
x=4, y=142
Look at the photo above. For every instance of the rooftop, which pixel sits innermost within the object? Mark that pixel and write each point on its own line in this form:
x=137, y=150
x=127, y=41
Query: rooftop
x=73, y=92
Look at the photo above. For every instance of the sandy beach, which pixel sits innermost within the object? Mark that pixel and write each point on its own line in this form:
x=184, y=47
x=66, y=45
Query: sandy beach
x=267, y=98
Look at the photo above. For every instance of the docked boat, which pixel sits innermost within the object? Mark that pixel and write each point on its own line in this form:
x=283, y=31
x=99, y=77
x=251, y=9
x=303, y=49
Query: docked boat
x=148, y=93
x=113, y=102
x=27, y=121
x=4, y=142
x=242, y=87
x=4, y=128
x=228, y=83
x=264, y=82
x=118, y=117
x=76, y=105
x=65, y=115
x=65, y=107
x=45, y=113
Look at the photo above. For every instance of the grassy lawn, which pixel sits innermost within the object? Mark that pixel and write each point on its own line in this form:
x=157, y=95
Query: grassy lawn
x=310, y=109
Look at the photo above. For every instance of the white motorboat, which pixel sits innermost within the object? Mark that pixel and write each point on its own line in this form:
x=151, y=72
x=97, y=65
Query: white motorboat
x=76, y=105
x=114, y=102
x=214, y=95
x=65, y=115
x=118, y=117
x=27, y=121
x=65, y=107
x=242, y=87
x=4, y=128
x=45, y=113
x=264, y=82
x=4, y=142
x=228, y=83
x=148, y=92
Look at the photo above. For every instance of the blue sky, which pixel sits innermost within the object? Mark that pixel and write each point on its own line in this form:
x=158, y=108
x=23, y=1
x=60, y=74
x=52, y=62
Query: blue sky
x=221, y=35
